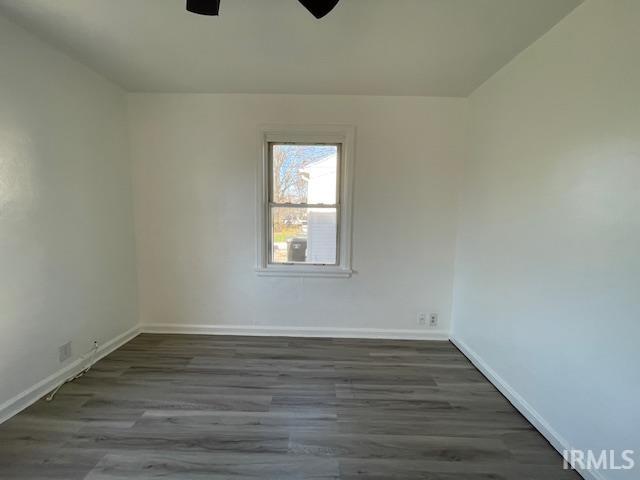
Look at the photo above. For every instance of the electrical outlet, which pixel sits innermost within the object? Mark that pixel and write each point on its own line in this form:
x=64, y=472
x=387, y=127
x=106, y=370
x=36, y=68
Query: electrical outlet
x=433, y=320
x=64, y=352
x=422, y=318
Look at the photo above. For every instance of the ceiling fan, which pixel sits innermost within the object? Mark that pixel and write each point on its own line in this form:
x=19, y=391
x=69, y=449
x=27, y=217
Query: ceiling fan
x=319, y=8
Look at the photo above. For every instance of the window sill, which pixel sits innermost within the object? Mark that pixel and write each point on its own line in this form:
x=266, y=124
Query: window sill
x=292, y=271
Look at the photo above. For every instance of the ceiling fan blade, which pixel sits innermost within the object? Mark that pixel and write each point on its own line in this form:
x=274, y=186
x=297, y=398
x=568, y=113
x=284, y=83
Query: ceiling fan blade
x=319, y=8
x=204, y=7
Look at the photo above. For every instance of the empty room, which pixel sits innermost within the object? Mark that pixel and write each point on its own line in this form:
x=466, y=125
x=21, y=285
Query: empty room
x=320, y=239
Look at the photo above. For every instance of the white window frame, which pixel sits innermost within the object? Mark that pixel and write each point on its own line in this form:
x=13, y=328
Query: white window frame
x=342, y=135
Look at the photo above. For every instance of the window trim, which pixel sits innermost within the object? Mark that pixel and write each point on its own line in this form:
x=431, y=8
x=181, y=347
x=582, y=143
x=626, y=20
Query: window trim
x=343, y=135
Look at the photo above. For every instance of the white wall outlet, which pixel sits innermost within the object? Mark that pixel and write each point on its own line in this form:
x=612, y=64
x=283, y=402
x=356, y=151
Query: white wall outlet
x=422, y=318
x=433, y=320
x=64, y=352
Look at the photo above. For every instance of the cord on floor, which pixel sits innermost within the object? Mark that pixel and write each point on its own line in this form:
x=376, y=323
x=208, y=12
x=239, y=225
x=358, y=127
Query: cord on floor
x=52, y=395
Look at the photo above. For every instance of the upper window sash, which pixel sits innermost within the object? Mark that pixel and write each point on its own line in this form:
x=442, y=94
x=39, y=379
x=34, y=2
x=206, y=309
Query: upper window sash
x=272, y=173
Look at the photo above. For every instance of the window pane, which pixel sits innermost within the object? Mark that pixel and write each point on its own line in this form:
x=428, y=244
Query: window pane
x=304, y=174
x=304, y=235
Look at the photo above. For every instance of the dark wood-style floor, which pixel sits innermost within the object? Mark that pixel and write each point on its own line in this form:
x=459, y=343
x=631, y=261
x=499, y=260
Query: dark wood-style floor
x=204, y=407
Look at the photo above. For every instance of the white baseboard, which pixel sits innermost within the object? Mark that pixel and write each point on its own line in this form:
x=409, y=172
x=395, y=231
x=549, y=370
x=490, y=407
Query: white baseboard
x=321, y=332
x=554, y=438
x=21, y=401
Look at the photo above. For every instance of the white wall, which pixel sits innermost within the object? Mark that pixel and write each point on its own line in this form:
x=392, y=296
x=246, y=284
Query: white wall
x=66, y=224
x=195, y=162
x=547, y=289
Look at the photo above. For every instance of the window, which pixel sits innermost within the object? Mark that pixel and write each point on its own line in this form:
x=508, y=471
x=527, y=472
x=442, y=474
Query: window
x=304, y=209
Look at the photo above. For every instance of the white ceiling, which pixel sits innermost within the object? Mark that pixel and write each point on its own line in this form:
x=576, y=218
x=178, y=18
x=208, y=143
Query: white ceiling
x=377, y=47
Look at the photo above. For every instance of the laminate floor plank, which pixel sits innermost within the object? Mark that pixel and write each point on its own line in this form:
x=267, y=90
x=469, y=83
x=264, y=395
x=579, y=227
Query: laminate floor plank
x=170, y=465
x=191, y=407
